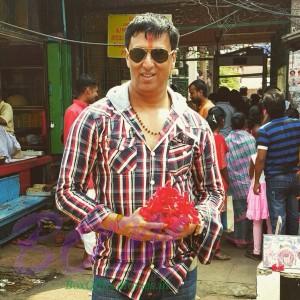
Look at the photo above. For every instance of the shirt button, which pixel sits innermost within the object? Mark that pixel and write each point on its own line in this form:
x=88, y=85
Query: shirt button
x=152, y=266
x=152, y=182
x=152, y=153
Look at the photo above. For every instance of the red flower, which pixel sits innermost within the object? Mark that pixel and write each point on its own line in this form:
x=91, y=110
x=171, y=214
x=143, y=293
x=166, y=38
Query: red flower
x=168, y=206
x=277, y=268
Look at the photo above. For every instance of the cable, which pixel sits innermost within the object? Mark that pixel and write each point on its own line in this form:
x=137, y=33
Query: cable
x=208, y=25
x=261, y=8
x=19, y=38
x=58, y=38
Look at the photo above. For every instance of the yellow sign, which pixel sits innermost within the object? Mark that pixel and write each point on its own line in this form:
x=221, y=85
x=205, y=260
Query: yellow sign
x=116, y=28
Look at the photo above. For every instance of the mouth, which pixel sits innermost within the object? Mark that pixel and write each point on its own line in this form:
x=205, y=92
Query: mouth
x=147, y=76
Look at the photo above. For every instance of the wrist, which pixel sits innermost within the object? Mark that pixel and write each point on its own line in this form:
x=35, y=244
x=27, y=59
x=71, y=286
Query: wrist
x=117, y=221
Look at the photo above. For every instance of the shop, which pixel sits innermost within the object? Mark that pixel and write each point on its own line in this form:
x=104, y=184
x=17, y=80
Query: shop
x=34, y=88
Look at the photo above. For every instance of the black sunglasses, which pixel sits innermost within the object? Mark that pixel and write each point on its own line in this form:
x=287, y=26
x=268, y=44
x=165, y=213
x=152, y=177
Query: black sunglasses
x=158, y=55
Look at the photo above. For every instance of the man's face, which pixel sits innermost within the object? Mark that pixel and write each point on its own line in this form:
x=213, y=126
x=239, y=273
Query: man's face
x=92, y=94
x=195, y=95
x=149, y=76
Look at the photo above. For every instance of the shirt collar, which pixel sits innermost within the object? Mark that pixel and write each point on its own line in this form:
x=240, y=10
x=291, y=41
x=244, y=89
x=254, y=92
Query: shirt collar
x=119, y=97
x=80, y=103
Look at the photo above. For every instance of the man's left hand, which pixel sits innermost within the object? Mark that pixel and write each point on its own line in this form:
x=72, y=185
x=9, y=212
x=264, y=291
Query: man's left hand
x=181, y=231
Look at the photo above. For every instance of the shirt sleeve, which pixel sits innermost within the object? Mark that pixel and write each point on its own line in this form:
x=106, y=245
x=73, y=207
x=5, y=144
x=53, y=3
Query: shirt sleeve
x=209, y=193
x=79, y=156
x=262, y=140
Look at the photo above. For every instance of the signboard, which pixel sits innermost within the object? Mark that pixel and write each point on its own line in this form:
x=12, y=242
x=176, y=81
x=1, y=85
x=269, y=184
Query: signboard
x=116, y=28
x=294, y=78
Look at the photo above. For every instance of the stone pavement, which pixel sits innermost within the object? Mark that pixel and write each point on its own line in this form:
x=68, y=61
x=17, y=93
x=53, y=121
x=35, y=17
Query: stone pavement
x=217, y=281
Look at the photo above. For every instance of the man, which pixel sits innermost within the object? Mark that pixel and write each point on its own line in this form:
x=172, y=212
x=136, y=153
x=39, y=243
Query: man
x=278, y=145
x=9, y=146
x=139, y=137
x=198, y=95
x=244, y=93
x=222, y=100
x=87, y=91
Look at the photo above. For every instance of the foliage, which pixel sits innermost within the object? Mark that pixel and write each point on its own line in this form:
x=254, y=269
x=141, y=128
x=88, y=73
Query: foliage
x=230, y=82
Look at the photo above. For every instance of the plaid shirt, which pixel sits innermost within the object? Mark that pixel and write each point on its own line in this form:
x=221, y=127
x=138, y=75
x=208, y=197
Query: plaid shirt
x=107, y=141
x=241, y=145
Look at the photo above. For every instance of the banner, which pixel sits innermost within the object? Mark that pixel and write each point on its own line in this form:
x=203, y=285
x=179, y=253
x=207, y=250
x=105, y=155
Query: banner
x=116, y=28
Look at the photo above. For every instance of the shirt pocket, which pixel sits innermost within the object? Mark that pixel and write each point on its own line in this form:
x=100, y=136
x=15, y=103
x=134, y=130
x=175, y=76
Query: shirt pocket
x=122, y=155
x=180, y=156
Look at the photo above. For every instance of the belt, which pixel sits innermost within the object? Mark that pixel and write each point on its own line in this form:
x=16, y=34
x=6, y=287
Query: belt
x=154, y=288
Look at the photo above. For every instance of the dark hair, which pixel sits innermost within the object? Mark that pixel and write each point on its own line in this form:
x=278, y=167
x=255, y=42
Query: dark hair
x=223, y=94
x=243, y=90
x=83, y=82
x=274, y=103
x=269, y=88
x=154, y=24
x=292, y=113
x=200, y=86
x=254, y=99
x=255, y=116
x=237, y=101
x=215, y=116
x=238, y=121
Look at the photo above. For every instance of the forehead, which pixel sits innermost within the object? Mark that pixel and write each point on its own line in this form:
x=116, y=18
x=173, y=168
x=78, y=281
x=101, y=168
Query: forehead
x=150, y=41
x=192, y=88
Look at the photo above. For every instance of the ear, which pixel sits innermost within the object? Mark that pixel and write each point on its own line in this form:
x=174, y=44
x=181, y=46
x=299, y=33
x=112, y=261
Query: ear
x=174, y=55
x=127, y=57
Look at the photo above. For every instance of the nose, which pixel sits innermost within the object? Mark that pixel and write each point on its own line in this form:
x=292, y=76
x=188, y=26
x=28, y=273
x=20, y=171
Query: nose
x=148, y=61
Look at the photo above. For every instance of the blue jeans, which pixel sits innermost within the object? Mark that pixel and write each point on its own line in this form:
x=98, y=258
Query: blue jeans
x=281, y=194
x=104, y=290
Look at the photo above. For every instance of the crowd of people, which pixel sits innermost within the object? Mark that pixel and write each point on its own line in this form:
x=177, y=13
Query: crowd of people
x=257, y=144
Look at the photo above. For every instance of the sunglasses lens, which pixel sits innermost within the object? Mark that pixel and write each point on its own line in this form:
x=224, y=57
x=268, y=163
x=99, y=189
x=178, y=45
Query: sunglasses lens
x=137, y=54
x=160, y=55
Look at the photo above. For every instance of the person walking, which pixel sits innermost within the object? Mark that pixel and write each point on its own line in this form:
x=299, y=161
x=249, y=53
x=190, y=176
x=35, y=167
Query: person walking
x=138, y=138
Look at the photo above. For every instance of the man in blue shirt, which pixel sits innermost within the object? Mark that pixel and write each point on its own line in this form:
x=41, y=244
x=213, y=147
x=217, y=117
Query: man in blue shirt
x=278, y=145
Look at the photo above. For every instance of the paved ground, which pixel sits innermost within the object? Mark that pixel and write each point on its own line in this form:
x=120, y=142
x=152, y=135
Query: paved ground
x=65, y=279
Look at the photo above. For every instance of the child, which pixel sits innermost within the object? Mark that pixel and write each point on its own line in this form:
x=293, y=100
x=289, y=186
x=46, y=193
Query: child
x=257, y=210
x=216, y=119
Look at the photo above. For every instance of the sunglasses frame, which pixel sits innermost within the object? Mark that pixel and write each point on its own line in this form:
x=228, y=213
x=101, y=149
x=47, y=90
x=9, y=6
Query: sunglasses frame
x=146, y=51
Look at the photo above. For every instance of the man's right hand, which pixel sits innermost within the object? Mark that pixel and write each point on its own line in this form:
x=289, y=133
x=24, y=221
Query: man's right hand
x=256, y=188
x=136, y=228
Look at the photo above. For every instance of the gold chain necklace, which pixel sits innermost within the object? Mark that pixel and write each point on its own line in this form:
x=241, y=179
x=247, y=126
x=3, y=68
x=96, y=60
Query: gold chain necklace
x=143, y=125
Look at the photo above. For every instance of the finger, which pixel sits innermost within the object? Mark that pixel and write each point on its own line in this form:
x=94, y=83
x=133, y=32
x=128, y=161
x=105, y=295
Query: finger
x=154, y=225
x=171, y=232
x=147, y=235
